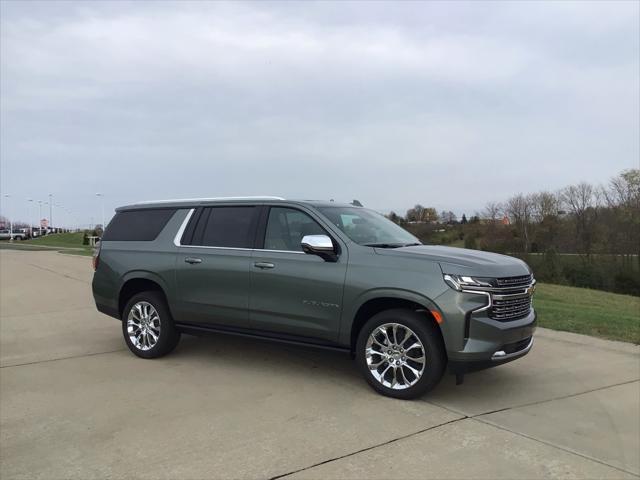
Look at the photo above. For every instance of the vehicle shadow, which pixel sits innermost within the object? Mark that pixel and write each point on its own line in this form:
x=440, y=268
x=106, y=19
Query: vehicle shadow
x=241, y=355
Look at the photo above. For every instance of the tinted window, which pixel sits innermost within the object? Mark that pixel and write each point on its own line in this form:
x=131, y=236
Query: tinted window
x=286, y=227
x=226, y=227
x=137, y=225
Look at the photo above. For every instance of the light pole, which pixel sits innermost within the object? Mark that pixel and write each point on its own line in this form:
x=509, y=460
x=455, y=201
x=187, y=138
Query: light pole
x=7, y=196
x=30, y=200
x=102, y=202
x=50, y=211
x=40, y=217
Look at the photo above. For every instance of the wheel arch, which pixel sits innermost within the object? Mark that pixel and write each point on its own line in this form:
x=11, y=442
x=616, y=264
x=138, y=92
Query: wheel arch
x=377, y=301
x=140, y=281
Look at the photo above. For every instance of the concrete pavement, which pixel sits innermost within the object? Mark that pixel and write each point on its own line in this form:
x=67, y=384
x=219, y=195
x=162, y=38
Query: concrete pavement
x=74, y=403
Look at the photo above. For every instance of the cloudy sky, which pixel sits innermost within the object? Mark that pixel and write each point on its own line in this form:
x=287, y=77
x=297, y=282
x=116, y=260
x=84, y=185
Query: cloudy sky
x=447, y=104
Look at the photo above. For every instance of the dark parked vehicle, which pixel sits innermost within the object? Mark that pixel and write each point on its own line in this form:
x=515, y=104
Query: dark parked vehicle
x=315, y=273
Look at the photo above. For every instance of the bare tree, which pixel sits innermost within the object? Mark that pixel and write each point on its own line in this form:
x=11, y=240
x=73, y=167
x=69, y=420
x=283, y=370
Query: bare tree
x=519, y=209
x=493, y=211
x=622, y=196
x=544, y=205
x=581, y=201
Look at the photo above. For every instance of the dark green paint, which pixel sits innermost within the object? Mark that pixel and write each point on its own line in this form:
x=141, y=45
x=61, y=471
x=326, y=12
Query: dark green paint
x=304, y=295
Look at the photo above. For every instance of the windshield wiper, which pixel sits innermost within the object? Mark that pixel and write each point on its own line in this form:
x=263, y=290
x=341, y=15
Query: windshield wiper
x=383, y=245
x=390, y=245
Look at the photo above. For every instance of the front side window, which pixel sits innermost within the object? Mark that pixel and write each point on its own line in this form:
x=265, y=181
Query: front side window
x=231, y=227
x=286, y=227
x=369, y=228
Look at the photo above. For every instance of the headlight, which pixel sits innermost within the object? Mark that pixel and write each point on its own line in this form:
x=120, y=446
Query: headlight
x=458, y=282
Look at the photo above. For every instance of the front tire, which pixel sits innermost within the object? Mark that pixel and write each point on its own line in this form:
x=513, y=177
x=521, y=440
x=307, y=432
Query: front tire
x=148, y=327
x=401, y=353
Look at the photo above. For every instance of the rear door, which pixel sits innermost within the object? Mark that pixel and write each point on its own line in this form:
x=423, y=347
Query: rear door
x=213, y=266
x=293, y=293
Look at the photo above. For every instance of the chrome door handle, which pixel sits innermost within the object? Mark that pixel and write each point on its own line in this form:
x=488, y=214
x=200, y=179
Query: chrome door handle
x=264, y=265
x=193, y=260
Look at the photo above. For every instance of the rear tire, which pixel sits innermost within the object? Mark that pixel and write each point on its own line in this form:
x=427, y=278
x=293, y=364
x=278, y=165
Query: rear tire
x=147, y=325
x=401, y=353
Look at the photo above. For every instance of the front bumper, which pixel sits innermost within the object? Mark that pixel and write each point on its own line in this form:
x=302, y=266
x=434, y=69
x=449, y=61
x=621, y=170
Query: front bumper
x=511, y=352
x=474, y=341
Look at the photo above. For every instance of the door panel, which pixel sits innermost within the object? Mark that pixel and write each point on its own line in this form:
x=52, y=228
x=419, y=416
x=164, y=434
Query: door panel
x=292, y=292
x=300, y=295
x=214, y=290
x=213, y=271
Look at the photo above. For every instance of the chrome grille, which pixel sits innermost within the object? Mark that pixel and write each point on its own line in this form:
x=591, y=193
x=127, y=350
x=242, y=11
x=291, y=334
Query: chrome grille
x=514, y=282
x=510, y=307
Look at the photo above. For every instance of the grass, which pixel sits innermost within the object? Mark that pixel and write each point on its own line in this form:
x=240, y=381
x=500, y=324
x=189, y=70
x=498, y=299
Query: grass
x=590, y=312
x=68, y=240
x=63, y=242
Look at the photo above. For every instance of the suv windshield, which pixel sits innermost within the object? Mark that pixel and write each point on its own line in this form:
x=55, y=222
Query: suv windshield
x=368, y=228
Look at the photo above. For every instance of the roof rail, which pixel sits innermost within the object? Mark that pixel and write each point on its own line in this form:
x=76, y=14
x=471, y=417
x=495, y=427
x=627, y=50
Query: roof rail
x=210, y=199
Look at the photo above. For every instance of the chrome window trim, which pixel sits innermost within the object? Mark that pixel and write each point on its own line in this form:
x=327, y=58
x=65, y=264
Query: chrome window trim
x=177, y=239
x=216, y=248
x=242, y=249
x=185, y=222
x=279, y=251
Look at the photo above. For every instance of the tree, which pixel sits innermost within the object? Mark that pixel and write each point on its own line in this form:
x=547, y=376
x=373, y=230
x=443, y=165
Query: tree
x=464, y=219
x=448, y=217
x=393, y=216
x=545, y=208
x=519, y=209
x=622, y=197
x=493, y=211
x=581, y=201
x=421, y=214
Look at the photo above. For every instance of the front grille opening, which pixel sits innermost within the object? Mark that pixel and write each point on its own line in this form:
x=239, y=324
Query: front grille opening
x=516, y=346
x=510, y=282
x=511, y=308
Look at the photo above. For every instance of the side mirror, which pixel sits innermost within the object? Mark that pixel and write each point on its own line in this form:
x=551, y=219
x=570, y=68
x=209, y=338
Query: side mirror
x=320, y=245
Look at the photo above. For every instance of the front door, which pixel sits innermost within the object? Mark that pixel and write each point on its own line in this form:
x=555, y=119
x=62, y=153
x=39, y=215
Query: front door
x=293, y=293
x=213, y=269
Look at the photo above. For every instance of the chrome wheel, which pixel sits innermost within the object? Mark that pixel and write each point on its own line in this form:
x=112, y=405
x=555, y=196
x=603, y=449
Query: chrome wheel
x=395, y=356
x=143, y=326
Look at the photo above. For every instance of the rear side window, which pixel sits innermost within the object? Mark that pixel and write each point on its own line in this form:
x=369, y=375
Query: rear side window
x=137, y=225
x=232, y=227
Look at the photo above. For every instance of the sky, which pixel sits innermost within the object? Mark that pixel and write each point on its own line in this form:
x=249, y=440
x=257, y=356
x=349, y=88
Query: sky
x=446, y=104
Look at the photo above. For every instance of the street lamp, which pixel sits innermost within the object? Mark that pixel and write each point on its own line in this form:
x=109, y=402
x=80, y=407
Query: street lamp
x=30, y=200
x=51, y=211
x=40, y=217
x=102, y=202
x=7, y=196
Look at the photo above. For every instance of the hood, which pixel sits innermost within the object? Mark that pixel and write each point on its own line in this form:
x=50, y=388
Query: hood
x=462, y=261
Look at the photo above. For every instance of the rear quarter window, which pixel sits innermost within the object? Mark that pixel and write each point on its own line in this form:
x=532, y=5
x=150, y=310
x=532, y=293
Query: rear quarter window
x=137, y=225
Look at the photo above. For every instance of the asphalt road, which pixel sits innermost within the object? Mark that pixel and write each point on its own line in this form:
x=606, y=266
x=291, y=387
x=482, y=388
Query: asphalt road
x=74, y=403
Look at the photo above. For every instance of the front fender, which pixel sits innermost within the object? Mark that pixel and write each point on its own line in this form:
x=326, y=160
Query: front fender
x=349, y=314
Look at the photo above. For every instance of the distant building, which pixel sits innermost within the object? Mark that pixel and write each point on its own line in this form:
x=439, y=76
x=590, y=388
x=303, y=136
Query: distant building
x=505, y=220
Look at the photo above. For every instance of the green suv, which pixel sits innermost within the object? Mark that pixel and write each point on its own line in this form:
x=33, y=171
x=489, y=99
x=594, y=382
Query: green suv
x=323, y=274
